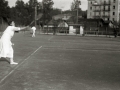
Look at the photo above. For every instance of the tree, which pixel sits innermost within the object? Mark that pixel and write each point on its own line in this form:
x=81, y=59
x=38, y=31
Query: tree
x=24, y=13
x=75, y=6
x=34, y=9
x=21, y=12
x=30, y=7
x=4, y=9
x=47, y=7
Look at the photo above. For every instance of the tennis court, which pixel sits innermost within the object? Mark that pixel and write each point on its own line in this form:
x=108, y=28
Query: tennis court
x=62, y=62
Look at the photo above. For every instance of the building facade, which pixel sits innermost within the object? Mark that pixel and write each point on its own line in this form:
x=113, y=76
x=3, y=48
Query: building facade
x=105, y=9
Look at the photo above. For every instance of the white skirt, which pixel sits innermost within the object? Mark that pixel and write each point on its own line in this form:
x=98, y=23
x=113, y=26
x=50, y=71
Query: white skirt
x=6, y=49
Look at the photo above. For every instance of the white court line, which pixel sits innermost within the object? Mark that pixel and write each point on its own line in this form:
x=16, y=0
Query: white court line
x=19, y=65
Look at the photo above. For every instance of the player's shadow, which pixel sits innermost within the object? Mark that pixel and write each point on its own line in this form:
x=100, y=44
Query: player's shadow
x=4, y=60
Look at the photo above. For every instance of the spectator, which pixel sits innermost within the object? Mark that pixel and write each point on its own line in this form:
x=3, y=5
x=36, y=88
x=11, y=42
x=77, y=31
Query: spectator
x=115, y=32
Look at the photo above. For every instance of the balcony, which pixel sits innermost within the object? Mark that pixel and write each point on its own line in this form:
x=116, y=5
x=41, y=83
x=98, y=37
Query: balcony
x=96, y=4
x=100, y=10
x=106, y=10
x=96, y=16
x=105, y=16
x=102, y=4
x=97, y=10
x=105, y=4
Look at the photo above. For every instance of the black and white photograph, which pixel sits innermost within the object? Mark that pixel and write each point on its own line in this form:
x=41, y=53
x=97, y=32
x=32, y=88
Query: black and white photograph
x=59, y=44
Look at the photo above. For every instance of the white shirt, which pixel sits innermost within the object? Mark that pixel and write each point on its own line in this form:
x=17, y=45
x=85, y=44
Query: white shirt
x=34, y=28
x=6, y=49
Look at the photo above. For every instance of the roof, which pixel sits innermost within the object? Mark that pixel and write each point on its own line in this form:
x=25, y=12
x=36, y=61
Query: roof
x=75, y=24
x=52, y=22
x=82, y=19
x=62, y=16
x=63, y=24
x=70, y=22
x=56, y=17
x=91, y=0
x=115, y=23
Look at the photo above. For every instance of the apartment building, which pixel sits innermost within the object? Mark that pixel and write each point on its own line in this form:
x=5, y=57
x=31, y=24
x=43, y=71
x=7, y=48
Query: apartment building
x=105, y=9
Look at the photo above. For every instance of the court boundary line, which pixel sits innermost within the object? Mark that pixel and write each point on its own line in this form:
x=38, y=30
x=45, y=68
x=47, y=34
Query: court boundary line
x=19, y=65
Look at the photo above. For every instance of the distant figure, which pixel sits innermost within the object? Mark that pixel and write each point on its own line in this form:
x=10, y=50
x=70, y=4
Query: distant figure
x=115, y=32
x=81, y=30
x=33, y=31
x=6, y=50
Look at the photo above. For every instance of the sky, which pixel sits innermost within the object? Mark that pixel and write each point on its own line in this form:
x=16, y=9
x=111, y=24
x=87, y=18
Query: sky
x=61, y=4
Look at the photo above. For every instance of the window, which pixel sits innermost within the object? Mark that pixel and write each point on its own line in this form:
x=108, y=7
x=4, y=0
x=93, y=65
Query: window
x=113, y=7
x=109, y=8
x=91, y=8
x=108, y=19
x=113, y=13
x=104, y=2
x=104, y=8
x=113, y=19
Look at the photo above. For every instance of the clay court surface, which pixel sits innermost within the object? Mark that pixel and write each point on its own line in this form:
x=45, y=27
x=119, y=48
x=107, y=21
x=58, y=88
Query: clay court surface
x=62, y=62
